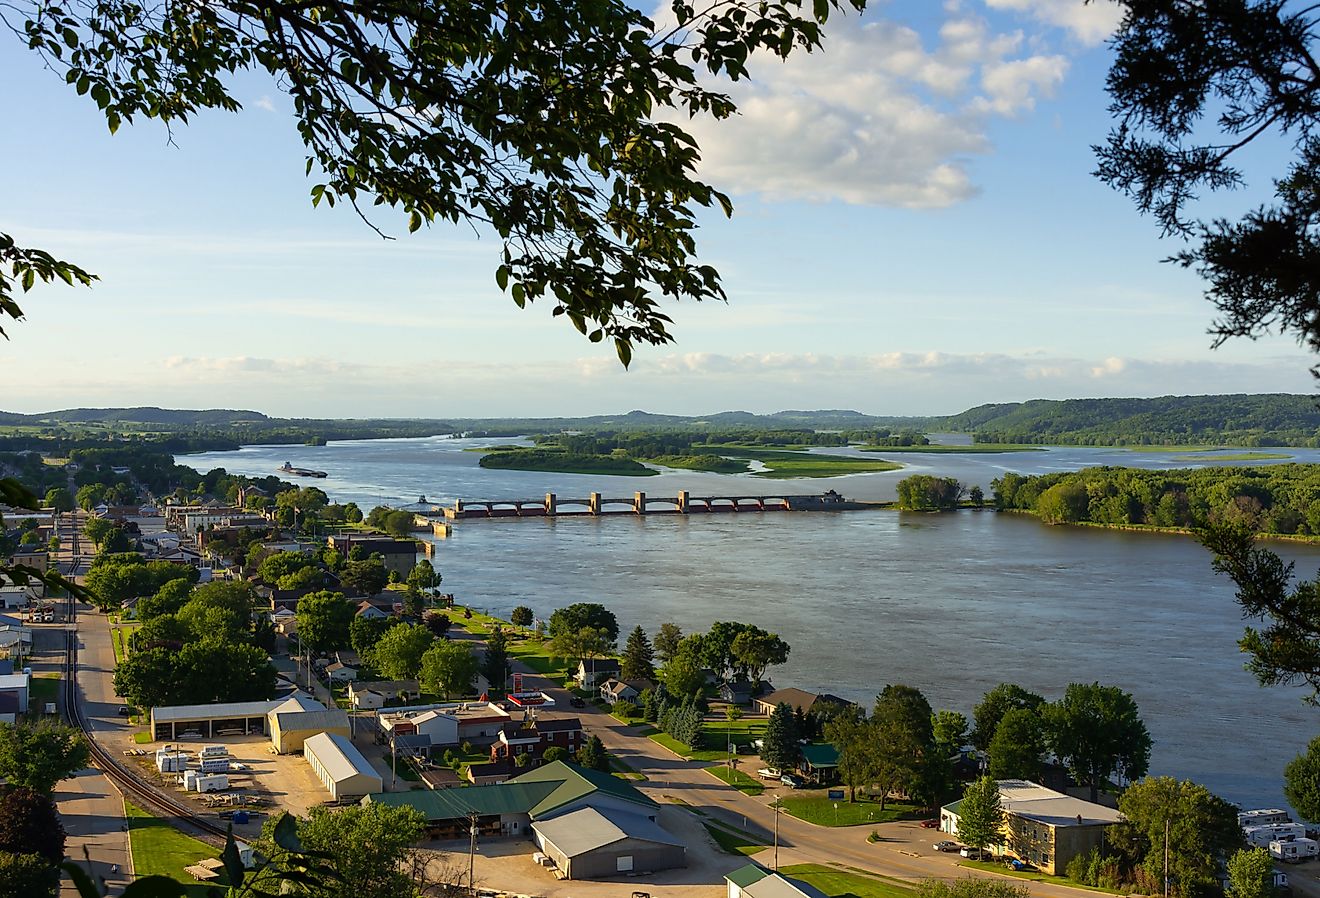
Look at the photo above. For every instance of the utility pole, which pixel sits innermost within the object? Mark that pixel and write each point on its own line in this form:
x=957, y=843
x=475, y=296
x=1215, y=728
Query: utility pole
x=776, y=807
x=472, y=852
x=1166, y=858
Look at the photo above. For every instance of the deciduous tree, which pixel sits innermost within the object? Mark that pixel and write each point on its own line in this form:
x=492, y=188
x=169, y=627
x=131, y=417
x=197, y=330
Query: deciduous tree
x=1301, y=782
x=683, y=673
x=369, y=845
x=40, y=756
x=981, y=815
x=994, y=705
x=1202, y=828
x=29, y=824
x=754, y=650
x=1097, y=732
x=1018, y=748
x=448, y=668
x=398, y=654
x=367, y=576
x=521, y=616
x=323, y=620
x=1251, y=873
x=584, y=614
x=667, y=641
x=27, y=875
x=852, y=737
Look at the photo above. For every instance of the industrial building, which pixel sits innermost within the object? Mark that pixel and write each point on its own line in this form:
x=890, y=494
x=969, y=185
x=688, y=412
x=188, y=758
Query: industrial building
x=595, y=842
x=288, y=721
x=341, y=767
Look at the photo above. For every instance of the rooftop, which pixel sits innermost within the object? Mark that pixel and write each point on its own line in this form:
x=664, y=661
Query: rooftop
x=340, y=758
x=587, y=829
x=1035, y=802
x=228, y=710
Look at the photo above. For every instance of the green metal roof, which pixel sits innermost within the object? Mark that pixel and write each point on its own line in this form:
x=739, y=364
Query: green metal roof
x=954, y=807
x=745, y=876
x=535, y=793
x=821, y=754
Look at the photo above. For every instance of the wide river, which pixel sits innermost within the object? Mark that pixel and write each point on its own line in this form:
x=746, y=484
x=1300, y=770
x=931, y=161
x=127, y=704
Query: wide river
x=950, y=603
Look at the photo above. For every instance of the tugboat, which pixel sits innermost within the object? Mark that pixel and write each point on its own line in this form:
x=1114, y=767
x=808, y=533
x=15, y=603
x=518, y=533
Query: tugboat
x=301, y=472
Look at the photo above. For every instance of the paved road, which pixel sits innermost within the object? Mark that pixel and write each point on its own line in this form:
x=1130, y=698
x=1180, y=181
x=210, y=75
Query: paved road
x=904, y=851
x=90, y=806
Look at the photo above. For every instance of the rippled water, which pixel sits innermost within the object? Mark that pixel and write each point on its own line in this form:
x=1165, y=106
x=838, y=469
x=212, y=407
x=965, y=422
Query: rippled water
x=951, y=603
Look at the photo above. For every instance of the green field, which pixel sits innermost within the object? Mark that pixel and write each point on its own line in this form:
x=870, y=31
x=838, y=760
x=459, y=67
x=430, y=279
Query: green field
x=733, y=842
x=817, y=808
x=788, y=463
x=45, y=688
x=978, y=448
x=714, y=463
x=748, y=785
x=842, y=884
x=160, y=849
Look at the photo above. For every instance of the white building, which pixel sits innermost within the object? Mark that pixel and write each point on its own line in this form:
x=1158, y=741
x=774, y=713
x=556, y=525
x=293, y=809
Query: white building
x=341, y=767
x=17, y=685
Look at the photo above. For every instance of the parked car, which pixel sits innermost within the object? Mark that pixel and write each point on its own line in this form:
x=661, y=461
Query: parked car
x=930, y=824
x=946, y=845
x=123, y=711
x=769, y=773
x=975, y=854
x=792, y=781
x=577, y=702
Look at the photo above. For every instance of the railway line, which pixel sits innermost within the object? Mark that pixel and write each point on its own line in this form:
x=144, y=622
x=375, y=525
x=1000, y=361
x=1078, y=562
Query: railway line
x=129, y=782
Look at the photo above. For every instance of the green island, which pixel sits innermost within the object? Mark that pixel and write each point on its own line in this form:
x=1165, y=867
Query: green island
x=974, y=448
x=1238, y=456
x=565, y=463
x=787, y=464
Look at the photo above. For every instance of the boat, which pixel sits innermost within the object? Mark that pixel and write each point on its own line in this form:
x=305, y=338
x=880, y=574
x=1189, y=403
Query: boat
x=301, y=472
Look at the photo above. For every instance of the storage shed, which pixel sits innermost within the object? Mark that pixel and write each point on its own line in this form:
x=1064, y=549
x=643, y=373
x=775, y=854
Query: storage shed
x=594, y=842
x=341, y=767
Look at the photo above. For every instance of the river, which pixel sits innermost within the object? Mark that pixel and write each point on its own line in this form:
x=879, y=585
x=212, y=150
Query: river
x=951, y=603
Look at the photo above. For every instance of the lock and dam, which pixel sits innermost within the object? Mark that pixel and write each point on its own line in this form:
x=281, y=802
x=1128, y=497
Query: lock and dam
x=640, y=503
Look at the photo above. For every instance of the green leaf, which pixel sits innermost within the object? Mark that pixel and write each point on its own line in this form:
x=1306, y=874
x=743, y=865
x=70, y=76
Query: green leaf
x=81, y=881
x=502, y=277
x=286, y=833
x=414, y=221
x=154, y=887
x=624, y=349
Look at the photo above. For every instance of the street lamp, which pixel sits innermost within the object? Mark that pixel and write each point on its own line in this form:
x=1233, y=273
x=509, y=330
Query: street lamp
x=777, y=808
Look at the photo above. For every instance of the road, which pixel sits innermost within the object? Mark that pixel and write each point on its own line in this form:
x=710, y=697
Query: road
x=90, y=806
x=904, y=851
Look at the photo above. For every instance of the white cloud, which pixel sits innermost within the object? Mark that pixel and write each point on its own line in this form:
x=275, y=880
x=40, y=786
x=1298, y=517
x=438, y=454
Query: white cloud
x=265, y=103
x=1090, y=22
x=876, y=117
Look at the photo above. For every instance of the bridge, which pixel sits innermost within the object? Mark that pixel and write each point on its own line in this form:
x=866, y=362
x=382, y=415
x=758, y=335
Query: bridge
x=642, y=504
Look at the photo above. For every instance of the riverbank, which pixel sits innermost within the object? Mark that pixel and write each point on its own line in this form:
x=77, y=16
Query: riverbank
x=778, y=464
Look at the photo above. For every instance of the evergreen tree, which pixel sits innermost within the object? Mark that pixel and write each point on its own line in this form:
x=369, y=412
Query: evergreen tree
x=593, y=756
x=781, y=739
x=495, y=662
x=637, y=657
x=981, y=816
x=667, y=641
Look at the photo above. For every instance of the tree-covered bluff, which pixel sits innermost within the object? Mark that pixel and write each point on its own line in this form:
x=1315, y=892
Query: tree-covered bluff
x=1277, y=499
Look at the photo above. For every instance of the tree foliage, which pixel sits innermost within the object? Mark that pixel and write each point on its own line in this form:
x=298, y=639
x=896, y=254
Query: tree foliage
x=969, y=887
x=637, y=655
x=667, y=640
x=398, y=654
x=448, y=668
x=1202, y=829
x=369, y=845
x=1193, y=85
x=1301, y=782
x=1097, y=732
x=981, y=816
x=40, y=756
x=780, y=749
x=324, y=619
x=543, y=123
x=29, y=824
x=27, y=875
x=1018, y=748
x=922, y=492
x=521, y=616
x=495, y=660
x=754, y=650
x=1251, y=873
x=584, y=614
x=592, y=755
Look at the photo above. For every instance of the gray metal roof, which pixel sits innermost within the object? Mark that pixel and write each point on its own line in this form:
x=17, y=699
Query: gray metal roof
x=224, y=711
x=590, y=828
x=339, y=757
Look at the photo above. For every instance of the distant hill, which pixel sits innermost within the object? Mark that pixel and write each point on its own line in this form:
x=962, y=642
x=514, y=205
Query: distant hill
x=1236, y=419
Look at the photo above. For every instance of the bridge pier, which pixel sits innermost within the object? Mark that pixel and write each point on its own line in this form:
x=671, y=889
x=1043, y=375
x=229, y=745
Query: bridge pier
x=551, y=504
x=594, y=503
x=639, y=502
x=682, y=501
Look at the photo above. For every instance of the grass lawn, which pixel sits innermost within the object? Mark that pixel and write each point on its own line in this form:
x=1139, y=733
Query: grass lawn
x=1036, y=876
x=119, y=638
x=733, y=842
x=784, y=464
x=45, y=688
x=740, y=732
x=842, y=884
x=670, y=743
x=160, y=849
x=819, y=809
x=742, y=782
x=142, y=737
x=624, y=770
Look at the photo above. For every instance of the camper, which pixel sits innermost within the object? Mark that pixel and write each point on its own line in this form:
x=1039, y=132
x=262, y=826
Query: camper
x=1262, y=836
x=213, y=751
x=1263, y=817
x=217, y=782
x=1295, y=851
x=214, y=765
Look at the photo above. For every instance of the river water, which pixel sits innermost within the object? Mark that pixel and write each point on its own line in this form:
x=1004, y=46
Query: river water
x=950, y=603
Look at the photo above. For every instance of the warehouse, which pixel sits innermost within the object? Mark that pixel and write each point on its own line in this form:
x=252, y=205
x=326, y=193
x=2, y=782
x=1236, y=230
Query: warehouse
x=339, y=764
x=594, y=842
x=298, y=718
x=208, y=721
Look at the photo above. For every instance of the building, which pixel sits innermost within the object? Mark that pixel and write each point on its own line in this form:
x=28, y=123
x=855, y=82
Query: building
x=1042, y=827
x=339, y=672
x=17, y=596
x=820, y=763
x=588, y=823
x=373, y=694
x=19, y=686
x=592, y=672
x=629, y=691
x=798, y=700
x=370, y=611
x=536, y=737
x=298, y=718
x=755, y=881
x=451, y=723
x=288, y=721
x=341, y=767
x=737, y=691
x=399, y=555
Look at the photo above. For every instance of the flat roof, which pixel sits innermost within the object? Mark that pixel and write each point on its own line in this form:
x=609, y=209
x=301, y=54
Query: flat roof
x=13, y=681
x=1033, y=801
x=222, y=710
x=339, y=757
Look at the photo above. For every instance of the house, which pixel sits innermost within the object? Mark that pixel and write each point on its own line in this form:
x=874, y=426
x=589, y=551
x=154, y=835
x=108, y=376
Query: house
x=614, y=691
x=339, y=672
x=450, y=723
x=820, y=763
x=399, y=555
x=1042, y=827
x=589, y=823
x=284, y=621
x=737, y=691
x=369, y=611
x=536, y=737
x=340, y=766
x=755, y=881
x=374, y=694
x=592, y=672
x=30, y=556
x=798, y=700
x=490, y=773
x=18, y=686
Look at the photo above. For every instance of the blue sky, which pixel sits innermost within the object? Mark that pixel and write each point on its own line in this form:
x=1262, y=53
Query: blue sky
x=916, y=232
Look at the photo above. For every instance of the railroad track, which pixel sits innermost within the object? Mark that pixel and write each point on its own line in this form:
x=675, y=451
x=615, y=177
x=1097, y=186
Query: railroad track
x=128, y=781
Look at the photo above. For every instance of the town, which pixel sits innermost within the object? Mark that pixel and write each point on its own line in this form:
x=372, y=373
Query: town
x=235, y=666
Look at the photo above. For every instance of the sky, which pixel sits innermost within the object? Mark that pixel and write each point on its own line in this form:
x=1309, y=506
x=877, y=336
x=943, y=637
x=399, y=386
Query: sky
x=916, y=232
